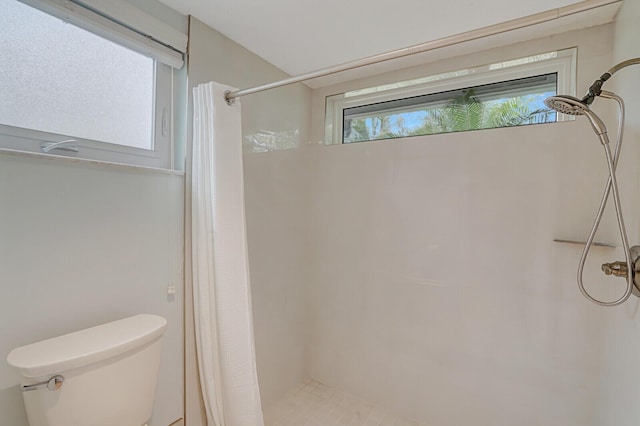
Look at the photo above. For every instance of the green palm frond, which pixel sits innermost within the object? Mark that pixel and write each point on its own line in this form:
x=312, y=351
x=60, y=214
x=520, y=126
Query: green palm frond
x=464, y=112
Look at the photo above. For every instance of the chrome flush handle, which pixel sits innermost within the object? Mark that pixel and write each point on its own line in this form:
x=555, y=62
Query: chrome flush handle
x=53, y=384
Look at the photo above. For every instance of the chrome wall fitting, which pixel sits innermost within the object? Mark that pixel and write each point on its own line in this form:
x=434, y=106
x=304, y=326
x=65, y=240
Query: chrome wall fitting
x=620, y=269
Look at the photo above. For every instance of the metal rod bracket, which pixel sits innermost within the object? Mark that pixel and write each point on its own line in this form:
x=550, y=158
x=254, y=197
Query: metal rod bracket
x=228, y=100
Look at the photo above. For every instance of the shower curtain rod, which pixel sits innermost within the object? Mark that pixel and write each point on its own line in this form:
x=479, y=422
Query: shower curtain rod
x=503, y=27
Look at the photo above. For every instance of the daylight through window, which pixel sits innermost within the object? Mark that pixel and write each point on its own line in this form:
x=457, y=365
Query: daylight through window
x=506, y=94
x=108, y=92
x=504, y=104
x=61, y=79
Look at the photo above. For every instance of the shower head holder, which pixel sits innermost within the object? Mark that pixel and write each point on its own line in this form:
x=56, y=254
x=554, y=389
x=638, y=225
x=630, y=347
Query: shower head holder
x=596, y=88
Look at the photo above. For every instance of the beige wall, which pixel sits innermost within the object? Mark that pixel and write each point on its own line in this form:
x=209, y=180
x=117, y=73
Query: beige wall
x=82, y=244
x=436, y=288
x=621, y=346
x=276, y=193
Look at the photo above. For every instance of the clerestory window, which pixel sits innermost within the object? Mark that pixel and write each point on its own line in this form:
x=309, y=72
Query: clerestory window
x=505, y=94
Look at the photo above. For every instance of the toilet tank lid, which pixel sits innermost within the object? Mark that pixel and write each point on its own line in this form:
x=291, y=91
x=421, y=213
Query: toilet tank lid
x=74, y=350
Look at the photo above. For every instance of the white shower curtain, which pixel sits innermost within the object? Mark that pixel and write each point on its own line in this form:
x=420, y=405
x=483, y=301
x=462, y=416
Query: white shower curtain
x=222, y=298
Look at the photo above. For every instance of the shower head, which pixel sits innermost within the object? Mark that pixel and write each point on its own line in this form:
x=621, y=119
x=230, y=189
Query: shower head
x=566, y=104
x=573, y=106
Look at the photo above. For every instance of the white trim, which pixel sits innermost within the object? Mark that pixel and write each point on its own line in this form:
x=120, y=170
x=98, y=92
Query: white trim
x=563, y=62
x=93, y=22
x=82, y=161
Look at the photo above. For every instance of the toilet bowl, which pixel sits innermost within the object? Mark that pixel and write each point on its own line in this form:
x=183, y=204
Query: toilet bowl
x=100, y=376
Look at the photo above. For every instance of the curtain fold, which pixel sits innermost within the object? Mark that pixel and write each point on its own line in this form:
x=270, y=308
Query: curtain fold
x=222, y=298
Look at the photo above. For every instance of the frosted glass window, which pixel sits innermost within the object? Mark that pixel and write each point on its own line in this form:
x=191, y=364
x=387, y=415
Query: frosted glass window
x=61, y=79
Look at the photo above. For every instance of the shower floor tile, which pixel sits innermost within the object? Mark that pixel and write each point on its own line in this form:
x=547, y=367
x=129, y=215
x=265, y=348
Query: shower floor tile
x=314, y=404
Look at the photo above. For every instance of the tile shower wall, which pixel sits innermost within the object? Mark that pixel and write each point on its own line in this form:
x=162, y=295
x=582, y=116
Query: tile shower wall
x=437, y=289
x=621, y=347
x=276, y=127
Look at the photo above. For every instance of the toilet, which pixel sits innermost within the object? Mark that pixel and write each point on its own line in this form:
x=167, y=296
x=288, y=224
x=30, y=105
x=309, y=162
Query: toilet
x=100, y=376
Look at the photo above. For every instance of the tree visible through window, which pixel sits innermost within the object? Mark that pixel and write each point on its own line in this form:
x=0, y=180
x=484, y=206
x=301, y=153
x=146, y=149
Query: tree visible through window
x=504, y=104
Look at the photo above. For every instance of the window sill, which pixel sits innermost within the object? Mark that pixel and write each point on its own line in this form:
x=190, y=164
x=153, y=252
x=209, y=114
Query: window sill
x=84, y=161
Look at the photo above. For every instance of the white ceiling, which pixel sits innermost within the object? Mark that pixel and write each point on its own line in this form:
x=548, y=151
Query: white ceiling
x=305, y=35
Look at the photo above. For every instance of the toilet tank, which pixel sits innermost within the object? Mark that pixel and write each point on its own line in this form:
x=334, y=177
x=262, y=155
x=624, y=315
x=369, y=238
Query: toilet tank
x=109, y=374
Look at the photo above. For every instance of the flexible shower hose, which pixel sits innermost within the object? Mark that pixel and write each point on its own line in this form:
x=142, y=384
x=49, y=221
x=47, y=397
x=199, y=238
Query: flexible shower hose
x=612, y=184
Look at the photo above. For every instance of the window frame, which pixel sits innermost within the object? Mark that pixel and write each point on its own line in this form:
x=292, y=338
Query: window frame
x=564, y=64
x=160, y=156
